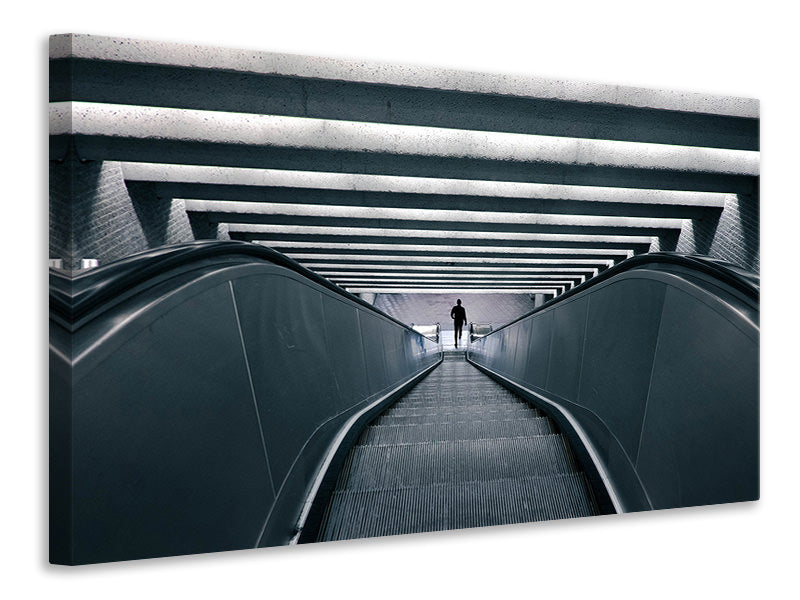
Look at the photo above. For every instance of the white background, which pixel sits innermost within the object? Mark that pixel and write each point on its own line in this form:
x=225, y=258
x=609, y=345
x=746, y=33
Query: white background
x=733, y=551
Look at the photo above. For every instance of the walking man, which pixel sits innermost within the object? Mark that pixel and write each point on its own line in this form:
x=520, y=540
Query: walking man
x=459, y=316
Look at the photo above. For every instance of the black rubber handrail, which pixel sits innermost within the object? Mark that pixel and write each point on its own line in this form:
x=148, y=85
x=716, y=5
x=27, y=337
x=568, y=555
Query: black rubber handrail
x=741, y=280
x=73, y=298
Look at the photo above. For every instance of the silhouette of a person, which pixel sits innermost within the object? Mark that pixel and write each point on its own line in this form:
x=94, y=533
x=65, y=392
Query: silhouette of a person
x=459, y=316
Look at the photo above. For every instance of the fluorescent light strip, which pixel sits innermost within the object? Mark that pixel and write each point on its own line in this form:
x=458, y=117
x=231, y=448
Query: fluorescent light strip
x=360, y=182
x=452, y=277
x=435, y=234
x=449, y=290
x=469, y=282
x=443, y=248
x=329, y=266
x=258, y=131
x=423, y=214
x=349, y=260
x=461, y=284
x=438, y=277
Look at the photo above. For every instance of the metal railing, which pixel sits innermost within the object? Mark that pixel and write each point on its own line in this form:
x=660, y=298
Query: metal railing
x=478, y=330
x=429, y=331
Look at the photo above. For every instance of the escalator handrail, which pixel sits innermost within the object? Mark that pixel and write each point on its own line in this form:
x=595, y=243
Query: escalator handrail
x=743, y=281
x=73, y=298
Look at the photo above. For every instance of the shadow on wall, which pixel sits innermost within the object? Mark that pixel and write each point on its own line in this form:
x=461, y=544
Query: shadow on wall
x=733, y=236
x=94, y=214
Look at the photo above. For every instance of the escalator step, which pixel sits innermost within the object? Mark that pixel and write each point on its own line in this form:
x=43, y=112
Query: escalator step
x=477, y=398
x=479, y=413
x=458, y=450
x=402, y=465
x=436, y=507
x=461, y=430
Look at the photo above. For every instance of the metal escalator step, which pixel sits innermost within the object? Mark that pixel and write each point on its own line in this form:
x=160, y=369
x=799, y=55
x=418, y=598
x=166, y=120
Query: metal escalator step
x=460, y=399
x=466, y=389
x=460, y=430
x=456, y=403
x=436, y=507
x=447, y=414
x=453, y=357
x=470, y=404
x=456, y=387
x=458, y=450
x=453, y=417
x=474, y=402
x=402, y=465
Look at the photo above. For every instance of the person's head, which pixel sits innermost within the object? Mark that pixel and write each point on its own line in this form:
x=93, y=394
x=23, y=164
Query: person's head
x=458, y=301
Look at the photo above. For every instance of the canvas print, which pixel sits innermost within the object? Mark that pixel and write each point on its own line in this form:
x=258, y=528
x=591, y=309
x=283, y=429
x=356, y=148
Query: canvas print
x=296, y=299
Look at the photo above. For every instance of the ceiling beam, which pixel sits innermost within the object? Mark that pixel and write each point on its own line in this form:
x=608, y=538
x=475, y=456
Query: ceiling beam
x=190, y=76
x=448, y=220
x=440, y=289
x=357, y=234
x=362, y=251
x=353, y=189
x=148, y=133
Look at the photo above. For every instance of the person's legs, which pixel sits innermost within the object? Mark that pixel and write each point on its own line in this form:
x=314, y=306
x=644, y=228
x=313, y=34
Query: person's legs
x=457, y=334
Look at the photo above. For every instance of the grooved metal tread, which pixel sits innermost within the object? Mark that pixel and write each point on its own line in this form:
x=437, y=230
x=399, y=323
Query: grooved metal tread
x=434, y=432
x=377, y=466
x=391, y=511
x=458, y=450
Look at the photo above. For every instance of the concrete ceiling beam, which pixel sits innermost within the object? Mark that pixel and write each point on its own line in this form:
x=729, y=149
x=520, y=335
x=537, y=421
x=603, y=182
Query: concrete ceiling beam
x=439, y=289
x=136, y=133
x=451, y=229
x=454, y=276
x=458, y=280
x=448, y=220
x=126, y=50
x=432, y=265
x=358, y=251
x=353, y=189
x=423, y=238
x=458, y=275
x=473, y=273
x=189, y=76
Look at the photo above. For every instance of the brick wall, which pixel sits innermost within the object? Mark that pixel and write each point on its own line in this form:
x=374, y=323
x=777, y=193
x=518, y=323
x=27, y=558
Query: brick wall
x=732, y=235
x=734, y=238
x=93, y=214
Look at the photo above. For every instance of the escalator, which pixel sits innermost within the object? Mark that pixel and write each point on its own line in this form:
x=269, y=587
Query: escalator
x=457, y=451
x=219, y=396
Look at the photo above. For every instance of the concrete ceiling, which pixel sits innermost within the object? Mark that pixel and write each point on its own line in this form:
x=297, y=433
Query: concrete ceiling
x=394, y=179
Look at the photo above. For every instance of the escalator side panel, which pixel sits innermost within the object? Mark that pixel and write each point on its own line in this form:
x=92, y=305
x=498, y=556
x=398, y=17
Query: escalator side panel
x=620, y=342
x=713, y=456
x=371, y=332
x=149, y=422
x=60, y=446
x=660, y=372
x=522, y=346
x=285, y=340
x=198, y=415
x=348, y=366
x=566, y=348
x=538, y=364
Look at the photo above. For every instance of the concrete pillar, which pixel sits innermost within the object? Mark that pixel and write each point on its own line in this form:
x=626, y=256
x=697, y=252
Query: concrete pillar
x=367, y=297
x=538, y=300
